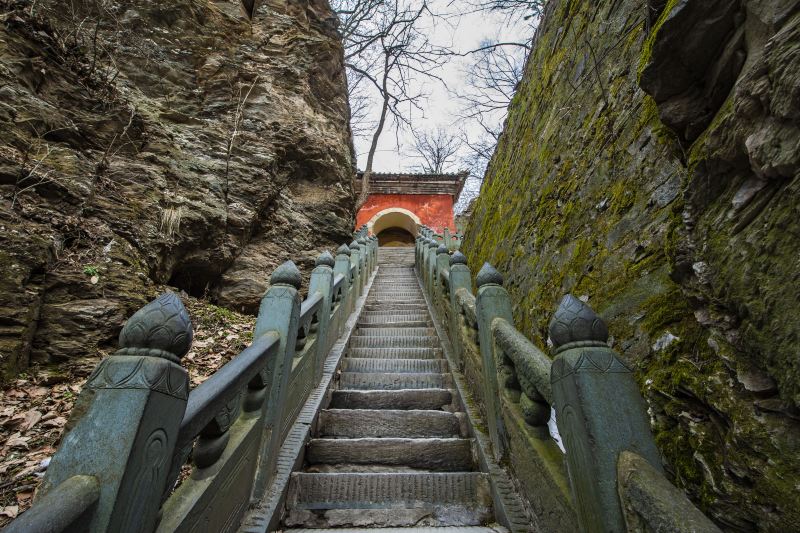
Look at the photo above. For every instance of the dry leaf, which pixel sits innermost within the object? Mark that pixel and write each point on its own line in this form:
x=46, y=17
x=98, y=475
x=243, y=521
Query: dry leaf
x=31, y=418
x=56, y=422
x=10, y=511
x=17, y=441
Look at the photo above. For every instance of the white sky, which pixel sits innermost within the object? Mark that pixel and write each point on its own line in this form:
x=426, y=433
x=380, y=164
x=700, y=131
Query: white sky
x=465, y=32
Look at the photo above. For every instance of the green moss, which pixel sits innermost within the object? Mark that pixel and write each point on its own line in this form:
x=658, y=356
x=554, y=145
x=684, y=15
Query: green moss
x=649, y=42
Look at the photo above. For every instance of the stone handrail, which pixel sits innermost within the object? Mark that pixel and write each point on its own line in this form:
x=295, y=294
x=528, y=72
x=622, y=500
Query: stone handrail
x=600, y=483
x=136, y=425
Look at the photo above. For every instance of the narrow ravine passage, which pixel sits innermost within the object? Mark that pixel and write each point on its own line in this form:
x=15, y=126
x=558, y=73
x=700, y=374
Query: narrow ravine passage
x=392, y=449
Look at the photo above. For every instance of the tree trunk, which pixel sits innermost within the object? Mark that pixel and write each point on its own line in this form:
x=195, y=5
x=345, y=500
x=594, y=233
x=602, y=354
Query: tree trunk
x=362, y=197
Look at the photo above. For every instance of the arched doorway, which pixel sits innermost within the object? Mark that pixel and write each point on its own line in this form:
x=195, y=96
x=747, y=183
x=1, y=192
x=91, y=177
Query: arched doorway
x=394, y=227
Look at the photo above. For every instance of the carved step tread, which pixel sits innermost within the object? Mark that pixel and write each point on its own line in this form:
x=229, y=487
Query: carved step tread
x=394, y=381
x=375, y=365
x=358, y=423
x=389, y=490
x=441, y=454
x=392, y=399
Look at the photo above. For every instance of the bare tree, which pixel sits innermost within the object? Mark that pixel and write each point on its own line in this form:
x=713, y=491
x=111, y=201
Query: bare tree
x=387, y=51
x=436, y=150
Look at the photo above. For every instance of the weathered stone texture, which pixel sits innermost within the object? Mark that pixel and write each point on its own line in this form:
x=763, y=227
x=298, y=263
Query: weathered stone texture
x=682, y=231
x=150, y=142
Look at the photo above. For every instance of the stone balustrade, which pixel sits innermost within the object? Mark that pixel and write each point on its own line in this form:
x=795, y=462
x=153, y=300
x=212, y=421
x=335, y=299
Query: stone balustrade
x=136, y=424
x=610, y=478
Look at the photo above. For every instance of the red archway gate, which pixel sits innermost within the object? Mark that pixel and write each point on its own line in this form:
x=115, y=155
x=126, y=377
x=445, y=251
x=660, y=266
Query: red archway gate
x=404, y=201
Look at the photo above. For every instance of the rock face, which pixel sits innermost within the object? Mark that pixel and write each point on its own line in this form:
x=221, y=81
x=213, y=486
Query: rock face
x=149, y=142
x=650, y=164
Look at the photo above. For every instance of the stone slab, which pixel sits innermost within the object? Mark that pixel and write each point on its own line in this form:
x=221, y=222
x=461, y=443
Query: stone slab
x=396, y=332
x=394, y=365
x=395, y=353
x=357, y=423
x=373, y=341
x=441, y=454
x=392, y=399
x=393, y=381
x=391, y=490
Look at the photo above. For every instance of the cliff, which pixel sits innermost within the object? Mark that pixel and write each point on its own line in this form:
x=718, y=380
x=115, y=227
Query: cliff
x=147, y=143
x=649, y=165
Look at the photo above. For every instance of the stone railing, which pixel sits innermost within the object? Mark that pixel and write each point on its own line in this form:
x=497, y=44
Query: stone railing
x=609, y=478
x=136, y=425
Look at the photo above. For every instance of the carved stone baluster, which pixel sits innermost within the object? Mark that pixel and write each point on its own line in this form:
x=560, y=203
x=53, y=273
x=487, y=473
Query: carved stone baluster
x=442, y=264
x=492, y=302
x=214, y=437
x=279, y=312
x=431, y=267
x=365, y=270
x=599, y=412
x=125, y=422
x=355, y=282
x=322, y=282
x=342, y=267
x=459, y=279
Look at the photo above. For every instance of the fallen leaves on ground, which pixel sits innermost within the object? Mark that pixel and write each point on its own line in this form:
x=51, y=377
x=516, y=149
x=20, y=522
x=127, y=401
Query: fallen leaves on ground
x=35, y=407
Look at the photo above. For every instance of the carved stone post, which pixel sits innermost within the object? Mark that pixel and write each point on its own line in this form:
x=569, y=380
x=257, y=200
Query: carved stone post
x=343, y=267
x=492, y=302
x=365, y=261
x=421, y=255
x=459, y=279
x=279, y=312
x=322, y=281
x=126, y=420
x=442, y=264
x=374, y=239
x=599, y=412
x=416, y=253
x=430, y=282
x=356, y=284
x=447, y=241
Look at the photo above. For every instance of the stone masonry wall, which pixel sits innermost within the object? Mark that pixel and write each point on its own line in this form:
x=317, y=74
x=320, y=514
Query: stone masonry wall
x=649, y=165
x=148, y=143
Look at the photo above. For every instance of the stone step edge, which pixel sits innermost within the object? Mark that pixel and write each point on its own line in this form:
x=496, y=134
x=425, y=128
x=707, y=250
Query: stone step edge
x=508, y=507
x=263, y=516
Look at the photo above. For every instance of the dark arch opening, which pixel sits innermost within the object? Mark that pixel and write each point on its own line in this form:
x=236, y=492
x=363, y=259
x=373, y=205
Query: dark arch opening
x=395, y=237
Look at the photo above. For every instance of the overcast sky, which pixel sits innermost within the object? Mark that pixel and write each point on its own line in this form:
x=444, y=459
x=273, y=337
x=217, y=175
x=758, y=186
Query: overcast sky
x=464, y=31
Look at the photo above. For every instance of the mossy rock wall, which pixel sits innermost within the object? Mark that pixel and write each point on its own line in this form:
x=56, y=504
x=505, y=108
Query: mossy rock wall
x=649, y=163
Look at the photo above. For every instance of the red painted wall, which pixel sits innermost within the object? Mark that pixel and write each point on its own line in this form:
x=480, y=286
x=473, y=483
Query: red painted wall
x=433, y=210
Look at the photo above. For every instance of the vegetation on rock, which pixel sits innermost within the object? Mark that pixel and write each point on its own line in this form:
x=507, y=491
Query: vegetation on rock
x=680, y=227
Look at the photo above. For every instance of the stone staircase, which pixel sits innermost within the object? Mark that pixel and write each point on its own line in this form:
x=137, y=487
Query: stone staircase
x=392, y=451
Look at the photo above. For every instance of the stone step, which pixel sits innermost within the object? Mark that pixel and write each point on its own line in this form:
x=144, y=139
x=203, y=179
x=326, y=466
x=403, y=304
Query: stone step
x=397, y=332
x=395, y=353
x=393, y=381
x=386, y=302
x=391, y=307
x=370, y=323
x=359, y=423
x=389, y=317
x=444, y=529
x=440, y=454
x=372, y=341
x=387, y=490
x=396, y=312
x=392, y=399
x=396, y=366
